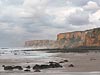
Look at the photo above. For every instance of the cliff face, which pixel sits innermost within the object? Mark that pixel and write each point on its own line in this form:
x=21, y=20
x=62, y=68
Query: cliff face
x=41, y=43
x=69, y=40
x=79, y=38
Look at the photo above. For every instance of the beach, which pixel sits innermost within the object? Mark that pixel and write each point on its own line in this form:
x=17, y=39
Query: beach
x=84, y=63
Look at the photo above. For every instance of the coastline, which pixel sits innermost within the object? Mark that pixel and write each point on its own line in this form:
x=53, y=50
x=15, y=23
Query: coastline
x=66, y=50
x=83, y=62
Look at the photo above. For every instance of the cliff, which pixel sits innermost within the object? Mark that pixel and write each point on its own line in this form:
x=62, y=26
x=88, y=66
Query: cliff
x=88, y=38
x=79, y=38
x=41, y=43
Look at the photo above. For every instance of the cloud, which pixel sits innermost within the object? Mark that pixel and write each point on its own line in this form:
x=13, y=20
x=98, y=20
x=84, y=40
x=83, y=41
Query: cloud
x=95, y=16
x=91, y=6
x=81, y=3
x=79, y=18
x=60, y=14
x=22, y=20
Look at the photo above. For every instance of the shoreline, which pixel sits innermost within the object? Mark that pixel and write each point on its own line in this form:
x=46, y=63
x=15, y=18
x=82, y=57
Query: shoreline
x=76, y=50
x=83, y=62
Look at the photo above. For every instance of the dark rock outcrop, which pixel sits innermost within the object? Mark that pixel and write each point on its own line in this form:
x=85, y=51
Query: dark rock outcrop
x=28, y=67
x=37, y=70
x=12, y=67
x=27, y=70
x=71, y=65
x=18, y=67
x=7, y=67
x=46, y=66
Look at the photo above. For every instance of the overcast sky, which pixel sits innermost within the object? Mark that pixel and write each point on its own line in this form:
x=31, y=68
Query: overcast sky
x=22, y=20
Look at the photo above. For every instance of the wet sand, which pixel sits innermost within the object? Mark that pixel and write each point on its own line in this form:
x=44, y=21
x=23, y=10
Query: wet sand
x=83, y=62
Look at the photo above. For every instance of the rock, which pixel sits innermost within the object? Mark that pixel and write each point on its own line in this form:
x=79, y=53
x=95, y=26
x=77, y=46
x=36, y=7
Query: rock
x=18, y=67
x=71, y=65
x=7, y=67
x=36, y=66
x=28, y=67
x=27, y=70
x=51, y=62
x=37, y=70
x=44, y=66
x=54, y=65
x=12, y=67
x=92, y=59
x=63, y=61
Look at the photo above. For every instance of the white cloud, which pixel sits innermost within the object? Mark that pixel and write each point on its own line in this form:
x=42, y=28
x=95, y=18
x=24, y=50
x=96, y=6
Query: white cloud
x=17, y=30
x=95, y=17
x=60, y=14
x=91, y=6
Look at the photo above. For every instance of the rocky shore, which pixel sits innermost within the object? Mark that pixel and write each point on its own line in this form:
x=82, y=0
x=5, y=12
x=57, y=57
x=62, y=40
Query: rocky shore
x=62, y=63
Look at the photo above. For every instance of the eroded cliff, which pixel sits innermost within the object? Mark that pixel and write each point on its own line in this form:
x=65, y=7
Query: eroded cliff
x=41, y=43
x=79, y=38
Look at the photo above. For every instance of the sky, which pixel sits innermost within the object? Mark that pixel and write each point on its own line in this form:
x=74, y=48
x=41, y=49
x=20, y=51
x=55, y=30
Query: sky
x=22, y=20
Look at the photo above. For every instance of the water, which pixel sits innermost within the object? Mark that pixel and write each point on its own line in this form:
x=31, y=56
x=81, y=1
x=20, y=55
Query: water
x=23, y=54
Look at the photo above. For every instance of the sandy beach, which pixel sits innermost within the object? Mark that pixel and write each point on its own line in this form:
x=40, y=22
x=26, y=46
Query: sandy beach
x=84, y=63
